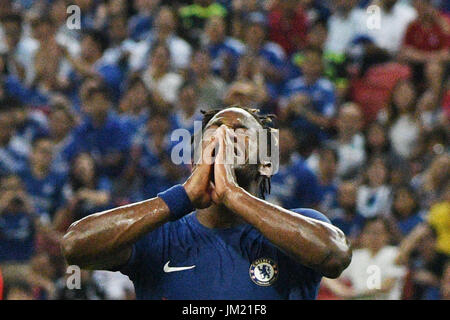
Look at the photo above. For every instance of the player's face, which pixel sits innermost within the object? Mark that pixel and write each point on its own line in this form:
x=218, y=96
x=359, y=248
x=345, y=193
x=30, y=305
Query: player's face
x=244, y=125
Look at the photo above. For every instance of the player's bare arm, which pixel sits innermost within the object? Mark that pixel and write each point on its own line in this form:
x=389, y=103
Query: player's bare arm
x=104, y=240
x=312, y=243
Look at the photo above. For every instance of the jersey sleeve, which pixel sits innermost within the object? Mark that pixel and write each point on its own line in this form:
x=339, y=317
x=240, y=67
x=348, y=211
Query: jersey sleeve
x=310, y=213
x=306, y=278
x=146, y=254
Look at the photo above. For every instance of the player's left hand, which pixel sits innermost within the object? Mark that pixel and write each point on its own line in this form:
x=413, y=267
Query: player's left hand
x=224, y=176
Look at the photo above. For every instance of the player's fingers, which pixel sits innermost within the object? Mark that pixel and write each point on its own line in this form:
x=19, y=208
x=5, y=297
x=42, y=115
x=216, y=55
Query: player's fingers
x=208, y=152
x=214, y=195
x=220, y=155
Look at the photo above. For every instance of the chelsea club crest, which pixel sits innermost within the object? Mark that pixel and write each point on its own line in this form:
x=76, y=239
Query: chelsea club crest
x=263, y=271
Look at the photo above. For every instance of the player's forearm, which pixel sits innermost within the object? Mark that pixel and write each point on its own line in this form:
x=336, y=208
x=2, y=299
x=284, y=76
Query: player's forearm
x=313, y=243
x=104, y=239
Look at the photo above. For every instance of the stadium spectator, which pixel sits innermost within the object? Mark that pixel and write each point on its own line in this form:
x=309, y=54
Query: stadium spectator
x=101, y=132
x=90, y=63
x=12, y=156
x=84, y=193
x=19, y=50
x=162, y=83
x=350, y=141
x=141, y=23
x=41, y=182
x=426, y=44
x=271, y=57
x=303, y=190
x=164, y=32
x=19, y=290
x=405, y=129
x=395, y=16
x=288, y=23
x=194, y=16
x=211, y=89
x=374, y=194
x=224, y=51
x=326, y=174
x=346, y=215
x=310, y=99
x=426, y=264
x=375, y=254
x=189, y=108
x=89, y=288
x=431, y=183
x=61, y=123
x=438, y=218
x=345, y=24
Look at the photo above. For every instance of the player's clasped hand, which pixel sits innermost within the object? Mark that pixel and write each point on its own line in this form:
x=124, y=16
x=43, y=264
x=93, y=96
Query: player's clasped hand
x=213, y=178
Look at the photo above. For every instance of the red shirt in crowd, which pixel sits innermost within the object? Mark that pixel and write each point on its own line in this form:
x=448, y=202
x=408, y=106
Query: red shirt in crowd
x=423, y=38
x=446, y=103
x=373, y=91
x=288, y=31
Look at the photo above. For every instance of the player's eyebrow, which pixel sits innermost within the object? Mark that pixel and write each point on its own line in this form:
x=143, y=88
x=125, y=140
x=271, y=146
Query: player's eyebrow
x=236, y=125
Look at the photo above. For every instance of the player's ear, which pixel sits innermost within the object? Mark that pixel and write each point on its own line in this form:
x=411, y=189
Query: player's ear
x=265, y=169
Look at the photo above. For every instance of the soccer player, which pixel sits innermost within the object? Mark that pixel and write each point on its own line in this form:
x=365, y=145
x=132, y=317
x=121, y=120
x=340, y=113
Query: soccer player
x=213, y=237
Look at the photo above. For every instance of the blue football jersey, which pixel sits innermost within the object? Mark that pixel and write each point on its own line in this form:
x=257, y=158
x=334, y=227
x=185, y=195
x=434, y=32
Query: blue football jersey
x=186, y=260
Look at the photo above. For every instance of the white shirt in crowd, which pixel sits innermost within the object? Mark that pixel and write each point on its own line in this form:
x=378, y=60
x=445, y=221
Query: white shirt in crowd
x=180, y=52
x=387, y=35
x=404, y=135
x=392, y=27
x=115, y=284
x=351, y=155
x=343, y=29
x=371, y=202
x=167, y=86
x=366, y=271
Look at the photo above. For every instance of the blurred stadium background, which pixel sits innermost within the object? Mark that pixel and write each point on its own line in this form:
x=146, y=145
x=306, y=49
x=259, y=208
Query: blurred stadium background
x=363, y=110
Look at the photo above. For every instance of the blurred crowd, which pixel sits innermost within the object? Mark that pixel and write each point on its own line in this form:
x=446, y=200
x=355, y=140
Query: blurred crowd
x=361, y=94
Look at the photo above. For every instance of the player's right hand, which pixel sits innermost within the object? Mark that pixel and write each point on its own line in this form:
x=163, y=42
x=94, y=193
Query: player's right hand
x=197, y=186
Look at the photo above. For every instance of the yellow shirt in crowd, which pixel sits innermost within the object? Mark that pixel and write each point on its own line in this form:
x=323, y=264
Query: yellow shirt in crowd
x=439, y=218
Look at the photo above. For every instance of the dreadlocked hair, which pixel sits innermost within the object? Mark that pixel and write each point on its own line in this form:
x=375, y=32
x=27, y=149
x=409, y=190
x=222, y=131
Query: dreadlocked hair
x=265, y=120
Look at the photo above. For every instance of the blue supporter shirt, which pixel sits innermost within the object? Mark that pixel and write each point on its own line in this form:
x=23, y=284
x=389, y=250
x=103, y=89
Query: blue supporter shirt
x=350, y=225
x=14, y=88
x=230, y=263
x=323, y=99
x=151, y=170
x=113, y=76
x=408, y=224
x=46, y=192
x=275, y=56
x=328, y=196
x=139, y=26
x=229, y=48
x=102, y=140
x=16, y=237
x=63, y=154
x=294, y=185
x=11, y=161
x=84, y=207
x=131, y=124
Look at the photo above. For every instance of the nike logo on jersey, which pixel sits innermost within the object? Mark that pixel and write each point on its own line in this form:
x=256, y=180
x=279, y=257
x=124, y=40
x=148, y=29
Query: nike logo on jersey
x=175, y=269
